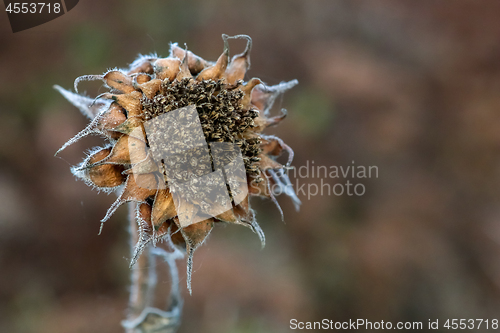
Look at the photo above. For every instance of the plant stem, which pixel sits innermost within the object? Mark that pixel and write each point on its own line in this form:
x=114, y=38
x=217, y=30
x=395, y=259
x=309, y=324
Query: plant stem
x=142, y=316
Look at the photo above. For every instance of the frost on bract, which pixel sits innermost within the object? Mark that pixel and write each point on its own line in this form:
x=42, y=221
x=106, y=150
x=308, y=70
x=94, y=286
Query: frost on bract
x=185, y=144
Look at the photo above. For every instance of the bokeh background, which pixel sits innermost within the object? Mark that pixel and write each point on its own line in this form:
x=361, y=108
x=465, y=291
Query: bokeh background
x=412, y=87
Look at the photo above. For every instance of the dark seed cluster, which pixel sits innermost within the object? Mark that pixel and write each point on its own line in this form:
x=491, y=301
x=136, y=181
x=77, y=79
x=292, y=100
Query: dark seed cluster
x=219, y=109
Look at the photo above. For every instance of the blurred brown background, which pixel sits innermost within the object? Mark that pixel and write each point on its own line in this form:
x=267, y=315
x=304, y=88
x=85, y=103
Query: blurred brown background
x=412, y=87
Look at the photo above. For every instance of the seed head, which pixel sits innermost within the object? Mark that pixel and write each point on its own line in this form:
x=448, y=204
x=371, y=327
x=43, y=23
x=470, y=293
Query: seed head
x=184, y=141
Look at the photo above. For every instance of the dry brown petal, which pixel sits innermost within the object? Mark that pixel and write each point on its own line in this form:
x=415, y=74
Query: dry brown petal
x=119, y=81
x=196, y=64
x=175, y=235
x=104, y=176
x=262, y=121
x=184, y=69
x=98, y=156
x=150, y=88
x=143, y=167
x=194, y=236
x=132, y=127
x=141, y=78
x=163, y=208
x=139, y=187
x=144, y=67
x=131, y=102
x=247, y=90
x=112, y=118
x=238, y=66
x=268, y=163
x=125, y=150
x=271, y=147
x=228, y=216
x=186, y=210
x=166, y=68
x=196, y=233
x=236, y=70
x=241, y=210
x=107, y=175
x=216, y=71
x=133, y=192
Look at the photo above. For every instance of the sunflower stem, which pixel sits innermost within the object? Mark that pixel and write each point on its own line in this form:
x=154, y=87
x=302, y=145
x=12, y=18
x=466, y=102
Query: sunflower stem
x=143, y=316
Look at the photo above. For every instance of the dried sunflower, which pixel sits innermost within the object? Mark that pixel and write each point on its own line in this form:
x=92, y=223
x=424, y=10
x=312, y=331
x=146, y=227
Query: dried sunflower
x=173, y=126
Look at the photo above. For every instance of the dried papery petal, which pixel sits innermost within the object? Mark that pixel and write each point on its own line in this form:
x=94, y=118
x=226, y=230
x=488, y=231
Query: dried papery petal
x=175, y=233
x=145, y=67
x=263, y=96
x=216, y=71
x=283, y=145
x=143, y=64
x=186, y=211
x=150, y=88
x=110, y=119
x=120, y=153
x=271, y=147
x=195, y=235
x=114, y=79
x=140, y=78
x=119, y=81
x=184, y=71
x=131, y=102
x=107, y=175
x=247, y=90
x=89, y=107
x=163, y=208
x=262, y=121
x=133, y=192
x=103, y=177
x=239, y=63
x=168, y=231
x=103, y=124
x=195, y=64
x=241, y=210
x=132, y=127
x=145, y=166
x=98, y=155
x=166, y=68
x=228, y=216
x=245, y=219
x=268, y=163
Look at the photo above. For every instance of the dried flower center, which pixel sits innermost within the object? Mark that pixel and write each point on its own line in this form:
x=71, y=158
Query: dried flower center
x=220, y=113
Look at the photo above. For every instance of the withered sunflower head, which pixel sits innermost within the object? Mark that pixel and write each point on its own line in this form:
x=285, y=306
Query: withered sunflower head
x=185, y=142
